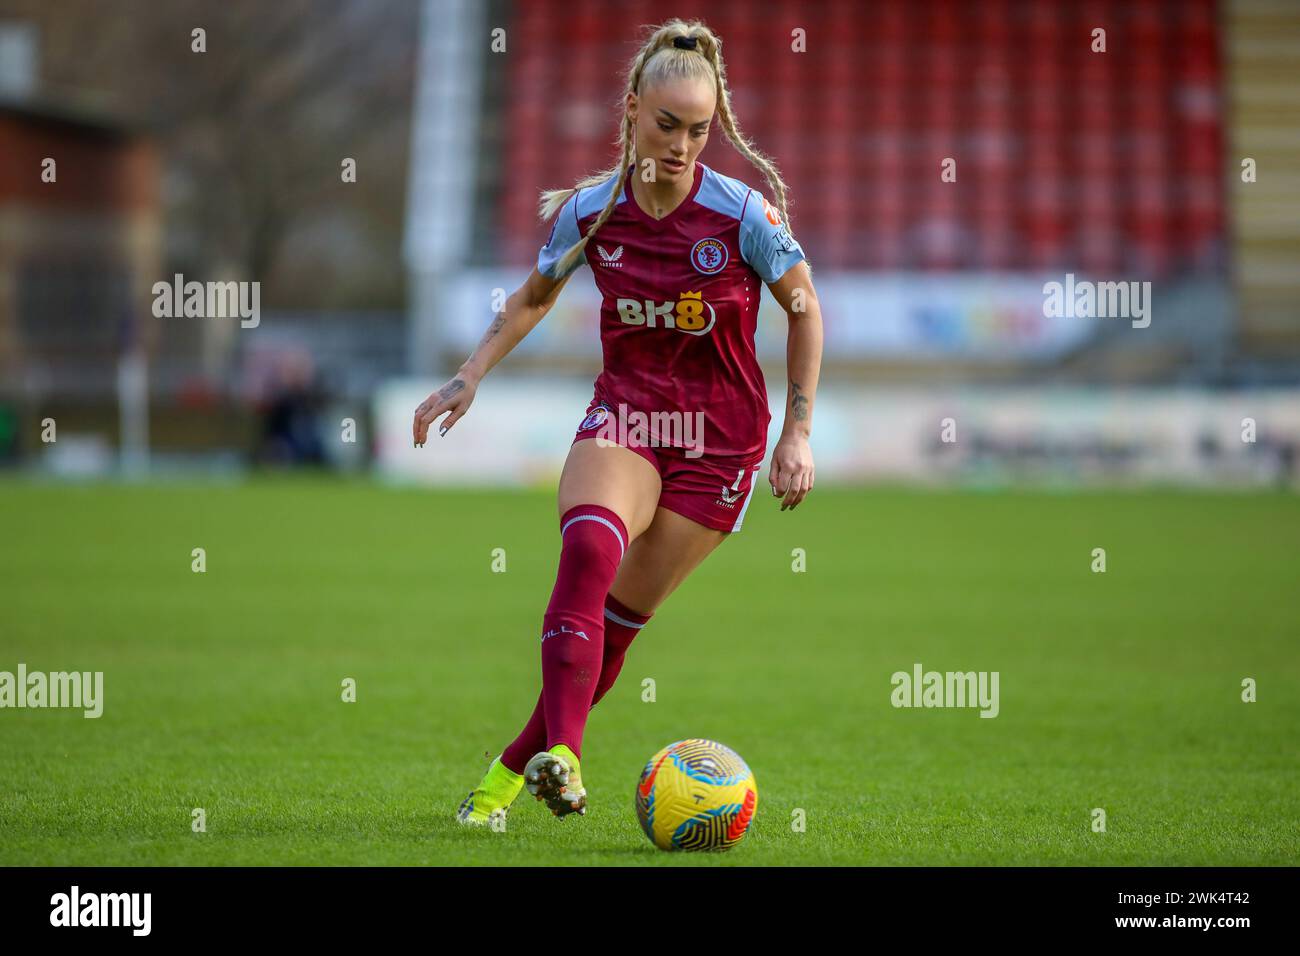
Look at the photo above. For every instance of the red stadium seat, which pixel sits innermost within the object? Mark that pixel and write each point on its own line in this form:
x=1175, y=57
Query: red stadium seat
x=1065, y=156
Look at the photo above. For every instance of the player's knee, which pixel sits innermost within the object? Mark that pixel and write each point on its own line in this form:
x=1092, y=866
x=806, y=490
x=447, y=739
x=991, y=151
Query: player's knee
x=593, y=535
x=587, y=544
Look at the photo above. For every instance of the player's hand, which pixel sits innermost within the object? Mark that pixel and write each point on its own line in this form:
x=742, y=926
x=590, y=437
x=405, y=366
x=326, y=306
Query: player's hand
x=791, y=476
x=454, y=397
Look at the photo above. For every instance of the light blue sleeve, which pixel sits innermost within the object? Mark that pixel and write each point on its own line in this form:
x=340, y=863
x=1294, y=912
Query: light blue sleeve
x=564, y=233
x=767, y=246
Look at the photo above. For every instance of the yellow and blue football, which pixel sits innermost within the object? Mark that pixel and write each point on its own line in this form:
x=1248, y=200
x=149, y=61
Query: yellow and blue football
x=696, y=795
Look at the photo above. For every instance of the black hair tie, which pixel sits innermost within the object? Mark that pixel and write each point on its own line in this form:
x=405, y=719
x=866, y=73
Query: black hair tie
x=684, y=43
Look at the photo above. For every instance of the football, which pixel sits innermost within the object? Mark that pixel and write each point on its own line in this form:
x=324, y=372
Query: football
x=696, y=795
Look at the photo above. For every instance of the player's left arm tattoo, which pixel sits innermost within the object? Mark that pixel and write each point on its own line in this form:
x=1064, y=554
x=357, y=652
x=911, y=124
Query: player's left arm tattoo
x=798, y=402
x=803, y=351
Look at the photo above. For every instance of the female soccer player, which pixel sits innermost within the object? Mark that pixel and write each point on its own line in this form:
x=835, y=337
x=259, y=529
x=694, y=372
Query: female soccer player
x=680, y=410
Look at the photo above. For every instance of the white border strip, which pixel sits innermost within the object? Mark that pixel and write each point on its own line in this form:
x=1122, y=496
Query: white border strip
x=753, y=479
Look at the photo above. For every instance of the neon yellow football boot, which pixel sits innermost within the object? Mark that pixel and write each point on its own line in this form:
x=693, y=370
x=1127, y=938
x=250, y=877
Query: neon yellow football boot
x=489, y=802
x=555, y=776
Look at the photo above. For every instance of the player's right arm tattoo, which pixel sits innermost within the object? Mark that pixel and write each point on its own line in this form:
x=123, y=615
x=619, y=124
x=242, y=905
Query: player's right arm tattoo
x=492, y=330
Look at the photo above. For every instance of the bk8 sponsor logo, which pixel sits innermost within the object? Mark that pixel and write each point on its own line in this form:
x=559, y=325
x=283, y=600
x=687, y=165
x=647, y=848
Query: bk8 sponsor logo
x=690, y=313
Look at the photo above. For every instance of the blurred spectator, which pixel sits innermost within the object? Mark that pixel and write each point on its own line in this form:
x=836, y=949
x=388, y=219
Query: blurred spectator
x=292, y=414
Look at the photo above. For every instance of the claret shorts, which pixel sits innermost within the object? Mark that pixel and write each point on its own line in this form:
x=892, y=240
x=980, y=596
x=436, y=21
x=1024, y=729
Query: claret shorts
x=713, y=490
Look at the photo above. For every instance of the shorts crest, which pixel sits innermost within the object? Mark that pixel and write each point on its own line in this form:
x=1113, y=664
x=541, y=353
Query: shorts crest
x=597, y=418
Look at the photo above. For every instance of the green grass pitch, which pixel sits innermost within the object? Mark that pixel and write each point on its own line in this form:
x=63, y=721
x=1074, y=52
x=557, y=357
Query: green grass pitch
x=1119, y=691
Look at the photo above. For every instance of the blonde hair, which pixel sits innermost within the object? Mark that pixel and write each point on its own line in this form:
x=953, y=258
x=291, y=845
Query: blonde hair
x=659, y=60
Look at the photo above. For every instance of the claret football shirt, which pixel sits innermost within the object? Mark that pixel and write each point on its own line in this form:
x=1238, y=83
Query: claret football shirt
x=680, y=302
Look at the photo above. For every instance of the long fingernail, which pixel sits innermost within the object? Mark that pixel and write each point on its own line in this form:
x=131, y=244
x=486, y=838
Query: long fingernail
x=442, y=431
